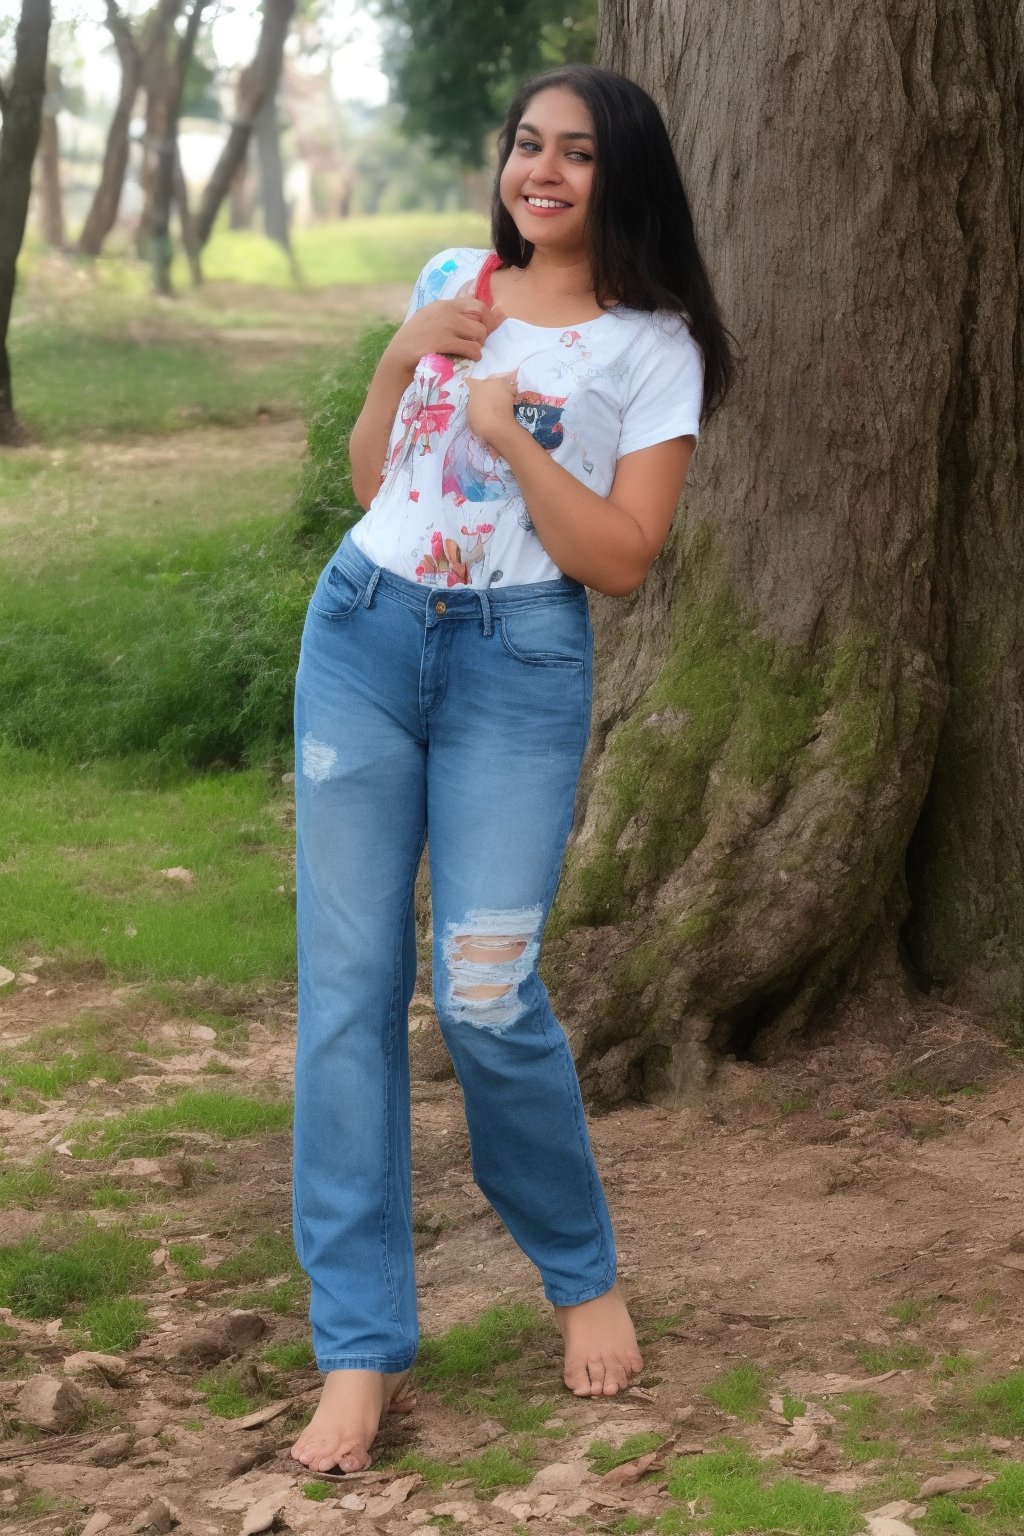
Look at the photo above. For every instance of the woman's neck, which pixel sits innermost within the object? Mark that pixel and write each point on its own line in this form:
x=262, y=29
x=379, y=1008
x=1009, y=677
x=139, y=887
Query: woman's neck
x=554, y=276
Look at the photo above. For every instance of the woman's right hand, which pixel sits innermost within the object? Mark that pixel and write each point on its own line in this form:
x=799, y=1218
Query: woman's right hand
x=452, y=327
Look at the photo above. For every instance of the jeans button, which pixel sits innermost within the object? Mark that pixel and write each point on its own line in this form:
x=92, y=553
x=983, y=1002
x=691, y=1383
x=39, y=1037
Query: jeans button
x=440, y=607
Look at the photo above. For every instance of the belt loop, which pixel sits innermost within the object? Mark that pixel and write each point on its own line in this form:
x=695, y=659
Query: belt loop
x=368, y=598
x=485, y=605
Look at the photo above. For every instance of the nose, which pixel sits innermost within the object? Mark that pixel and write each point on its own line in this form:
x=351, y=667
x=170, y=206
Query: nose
x=545, y=167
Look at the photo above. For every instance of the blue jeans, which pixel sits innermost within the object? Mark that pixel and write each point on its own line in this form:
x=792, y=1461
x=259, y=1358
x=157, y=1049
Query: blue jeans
x=458, y=716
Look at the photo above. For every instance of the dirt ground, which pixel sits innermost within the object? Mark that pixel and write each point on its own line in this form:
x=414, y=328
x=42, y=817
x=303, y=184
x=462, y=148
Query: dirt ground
x=775, y=1224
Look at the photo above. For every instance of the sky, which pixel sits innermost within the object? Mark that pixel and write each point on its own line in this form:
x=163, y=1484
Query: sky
x=354, y=33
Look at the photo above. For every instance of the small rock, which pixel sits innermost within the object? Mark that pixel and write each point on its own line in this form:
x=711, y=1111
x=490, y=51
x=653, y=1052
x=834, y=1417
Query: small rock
x=149, y=1427
x=159, y=1517
x=352, y=1501
x=884, y=1525
x=261, y=1516
x=953, y=1482
x=50, y=1403
x=230, y=1335
x=177, y=873
x=898, y=1509
x=110, y=1451
x=6, y=976
x=287, y=778
x=488, y=1430
x=111, y=1367
x=27, y=979
x=96, y=1523
x=999, y=1444
x=147, y=1445
x=243, y=1492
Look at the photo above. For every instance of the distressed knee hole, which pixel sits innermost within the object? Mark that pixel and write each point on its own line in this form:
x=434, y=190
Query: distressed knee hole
x=486, y=960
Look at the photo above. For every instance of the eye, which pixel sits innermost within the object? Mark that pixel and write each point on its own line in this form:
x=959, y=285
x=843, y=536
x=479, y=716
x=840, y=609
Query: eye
x=580, y=155
x=527, y=144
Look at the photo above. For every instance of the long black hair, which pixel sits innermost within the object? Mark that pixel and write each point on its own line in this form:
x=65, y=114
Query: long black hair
x=642, y=247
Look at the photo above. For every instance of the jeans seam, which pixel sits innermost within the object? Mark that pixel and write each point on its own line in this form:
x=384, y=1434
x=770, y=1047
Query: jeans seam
x=389, y=1060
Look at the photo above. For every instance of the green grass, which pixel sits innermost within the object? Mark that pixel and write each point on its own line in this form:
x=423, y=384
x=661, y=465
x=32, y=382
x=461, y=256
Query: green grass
x=291, y=1356
x=861, y=1428
x=604, y=1457
x=994, y=1407
x=912, y=1309
x=156, y=1129
x=318, y=1491
x=369, y=249
x=893, y=1357
x=267, y=1254
x=496, y=1467
x=470, y=1353
x=228, y=1396
x=287, y=1298
x=734, y=1494
x=26, y=1187
x=96, y=892
x=111, y=1324
x=70, y=1267
x=741, y=1391
x=51, y=1080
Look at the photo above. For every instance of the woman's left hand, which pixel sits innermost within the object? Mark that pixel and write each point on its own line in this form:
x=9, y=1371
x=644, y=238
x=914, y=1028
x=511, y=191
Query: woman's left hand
x=491, y=411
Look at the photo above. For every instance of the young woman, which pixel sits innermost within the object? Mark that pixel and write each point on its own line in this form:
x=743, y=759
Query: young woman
x=535, y=417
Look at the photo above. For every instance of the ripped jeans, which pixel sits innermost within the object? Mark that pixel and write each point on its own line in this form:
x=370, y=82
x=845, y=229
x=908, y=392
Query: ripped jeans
x=456, y=717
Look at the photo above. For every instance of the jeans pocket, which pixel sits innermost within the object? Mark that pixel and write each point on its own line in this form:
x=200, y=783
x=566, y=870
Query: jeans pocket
x=547, y=634
x=337, y=592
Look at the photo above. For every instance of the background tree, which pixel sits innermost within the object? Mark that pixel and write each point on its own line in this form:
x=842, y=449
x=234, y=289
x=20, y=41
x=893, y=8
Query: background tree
x=256, y=83
x=21, y=103
x=134, y=56
x=455, y=64
x=168, y=163
x=807, y=765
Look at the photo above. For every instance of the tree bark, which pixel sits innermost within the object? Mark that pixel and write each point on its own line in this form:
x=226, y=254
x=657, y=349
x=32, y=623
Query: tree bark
x=806, y=757
x=257, y=82
x=102, y=215
x=22, y=115
x=166, y=151
x=158, y=84
x=275, y=207
x=50, y=193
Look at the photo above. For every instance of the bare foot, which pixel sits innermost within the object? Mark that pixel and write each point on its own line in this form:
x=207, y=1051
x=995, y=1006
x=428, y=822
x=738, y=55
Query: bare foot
x=352, y=1404
x=601, y=1354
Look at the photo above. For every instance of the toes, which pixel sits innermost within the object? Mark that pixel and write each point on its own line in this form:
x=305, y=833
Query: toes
x=577, y=1378
x=598, y=1375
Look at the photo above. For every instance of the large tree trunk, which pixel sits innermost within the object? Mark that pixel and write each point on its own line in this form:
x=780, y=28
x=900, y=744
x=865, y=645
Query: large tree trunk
x=22, y=106
x=50, y=194
x=166, y=152
x=257, y=82
x=100, y=219
x=808, y=737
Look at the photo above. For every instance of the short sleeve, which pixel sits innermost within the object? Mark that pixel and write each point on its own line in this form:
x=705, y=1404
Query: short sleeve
x=433, y=282
x=666, y=388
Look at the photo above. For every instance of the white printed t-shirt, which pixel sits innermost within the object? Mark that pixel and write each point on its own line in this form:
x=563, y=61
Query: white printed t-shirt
x=449, y=512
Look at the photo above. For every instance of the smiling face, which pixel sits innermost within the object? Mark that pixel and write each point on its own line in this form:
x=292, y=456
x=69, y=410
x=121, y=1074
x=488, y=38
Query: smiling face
x=546, y=180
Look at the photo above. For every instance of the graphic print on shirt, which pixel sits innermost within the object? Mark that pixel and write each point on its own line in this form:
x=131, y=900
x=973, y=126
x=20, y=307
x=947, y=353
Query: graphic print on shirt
x=426, y=410
x=473, y=473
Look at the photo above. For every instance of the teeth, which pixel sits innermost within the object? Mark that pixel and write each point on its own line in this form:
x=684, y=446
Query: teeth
x=545, y=202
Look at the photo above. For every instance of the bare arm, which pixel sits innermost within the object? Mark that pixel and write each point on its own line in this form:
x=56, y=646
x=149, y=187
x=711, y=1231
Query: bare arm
x=455, y=327
x=607, y=542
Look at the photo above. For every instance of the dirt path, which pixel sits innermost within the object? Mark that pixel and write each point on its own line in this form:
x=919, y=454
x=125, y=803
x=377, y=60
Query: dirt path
x=774, y=1225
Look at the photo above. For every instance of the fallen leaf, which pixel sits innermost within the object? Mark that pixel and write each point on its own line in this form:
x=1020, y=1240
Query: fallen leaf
x=631, y=1471
x=395, y=1494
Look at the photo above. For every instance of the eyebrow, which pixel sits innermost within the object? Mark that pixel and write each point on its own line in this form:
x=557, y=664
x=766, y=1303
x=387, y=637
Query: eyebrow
x=529, y=128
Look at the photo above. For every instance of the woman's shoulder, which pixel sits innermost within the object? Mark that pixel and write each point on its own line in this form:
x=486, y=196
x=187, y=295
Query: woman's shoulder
x=451, y=267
